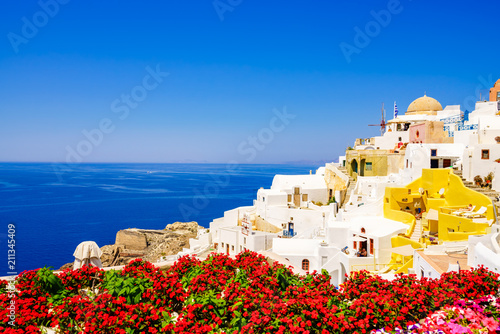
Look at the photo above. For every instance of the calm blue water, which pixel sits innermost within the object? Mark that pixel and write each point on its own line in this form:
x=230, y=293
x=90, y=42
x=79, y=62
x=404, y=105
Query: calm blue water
x=53, y=210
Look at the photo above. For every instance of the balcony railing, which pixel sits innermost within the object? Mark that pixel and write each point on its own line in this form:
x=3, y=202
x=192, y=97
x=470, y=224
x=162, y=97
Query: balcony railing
x=289, y=234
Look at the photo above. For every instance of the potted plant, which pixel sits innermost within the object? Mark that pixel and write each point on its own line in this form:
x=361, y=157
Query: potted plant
x=478, y=180
x=488, y=179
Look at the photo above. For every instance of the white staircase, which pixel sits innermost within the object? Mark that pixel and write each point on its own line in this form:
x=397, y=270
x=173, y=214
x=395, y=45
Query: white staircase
x=417, y=231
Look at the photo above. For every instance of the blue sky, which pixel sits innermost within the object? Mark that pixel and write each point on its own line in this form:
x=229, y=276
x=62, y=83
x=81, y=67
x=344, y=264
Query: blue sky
x=232, y=67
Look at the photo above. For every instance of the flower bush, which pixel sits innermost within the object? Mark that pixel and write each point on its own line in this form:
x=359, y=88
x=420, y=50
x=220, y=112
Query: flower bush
x=476, y=316
x=246, y=295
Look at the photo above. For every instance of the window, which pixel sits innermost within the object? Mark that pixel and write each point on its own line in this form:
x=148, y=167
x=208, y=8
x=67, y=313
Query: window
x=400, y=139
x=305, y=264
x=245, y=241
x=446, y=163
x=363, y=230
x=289, y=198
x=232, y=247
x=371, y=246
x=304, y=197
x=355, y=244
x=368, y=166
x=222, y=244
x=485, y=154
x=434, y=153
x=263, y=199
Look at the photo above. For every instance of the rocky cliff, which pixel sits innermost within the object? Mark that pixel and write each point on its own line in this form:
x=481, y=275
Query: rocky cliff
x=150, y=245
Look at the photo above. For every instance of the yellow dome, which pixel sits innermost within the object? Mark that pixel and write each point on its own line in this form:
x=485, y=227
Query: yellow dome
x=424, y=105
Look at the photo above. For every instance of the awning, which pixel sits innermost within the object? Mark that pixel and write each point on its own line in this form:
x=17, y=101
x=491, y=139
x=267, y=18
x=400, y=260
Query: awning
x=432, y=215
x=405, y=250
x=356, y=238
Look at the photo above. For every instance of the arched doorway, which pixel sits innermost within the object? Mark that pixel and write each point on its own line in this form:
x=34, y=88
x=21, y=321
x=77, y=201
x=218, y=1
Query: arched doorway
x=354, y=166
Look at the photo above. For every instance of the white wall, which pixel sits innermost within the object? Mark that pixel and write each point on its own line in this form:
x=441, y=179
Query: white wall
x=483, y=109
x=337, y=234
x=466, y=137
x=202, y=241
x=268, y=198
x=390, y=139
x=418, y=156
x=422, y=268
x=229, y=236
x=296, y=250
x=256, y=241
x=486, y=257
x=488, y=129
x=303, y=219
x=312, y=185
x=473, y=164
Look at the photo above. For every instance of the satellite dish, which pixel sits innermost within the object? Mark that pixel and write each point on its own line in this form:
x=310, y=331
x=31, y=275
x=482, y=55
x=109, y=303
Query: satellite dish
x=441, y=191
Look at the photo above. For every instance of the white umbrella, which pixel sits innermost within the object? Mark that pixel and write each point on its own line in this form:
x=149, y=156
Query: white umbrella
x=87, y=252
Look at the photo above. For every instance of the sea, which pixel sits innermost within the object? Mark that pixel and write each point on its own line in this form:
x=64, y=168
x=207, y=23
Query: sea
x=47, y=209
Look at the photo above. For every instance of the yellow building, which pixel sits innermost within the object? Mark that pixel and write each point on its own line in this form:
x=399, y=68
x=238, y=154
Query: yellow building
x=371, y=162
x=383, y=155
x=436, y=208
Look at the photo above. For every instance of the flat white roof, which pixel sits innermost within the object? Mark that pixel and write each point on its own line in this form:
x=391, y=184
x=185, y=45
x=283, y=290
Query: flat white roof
x=305, y=247
x=283, y=182
x=271, y=192
x=377, y=226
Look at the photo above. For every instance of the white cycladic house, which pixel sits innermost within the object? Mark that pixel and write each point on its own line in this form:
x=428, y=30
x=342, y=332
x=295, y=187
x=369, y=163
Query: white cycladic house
x=481, y=136
x=420, y=156
x=301, y=189
x=390, y=139
x=235, y=239
x=287, y=207
x=336, y=250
